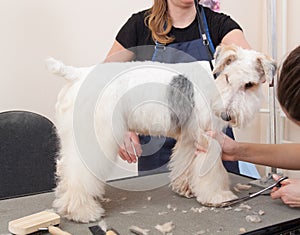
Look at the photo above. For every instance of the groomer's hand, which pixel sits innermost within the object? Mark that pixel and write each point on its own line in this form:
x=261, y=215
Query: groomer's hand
x=131, y=148
x=230, y=150
x=289, y=192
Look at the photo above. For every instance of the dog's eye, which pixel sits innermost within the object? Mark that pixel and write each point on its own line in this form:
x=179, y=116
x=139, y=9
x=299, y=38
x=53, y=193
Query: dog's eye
x=249, y=85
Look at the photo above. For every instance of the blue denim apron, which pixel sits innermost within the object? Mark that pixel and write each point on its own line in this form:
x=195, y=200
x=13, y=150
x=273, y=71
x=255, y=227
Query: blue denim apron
x=196, y=50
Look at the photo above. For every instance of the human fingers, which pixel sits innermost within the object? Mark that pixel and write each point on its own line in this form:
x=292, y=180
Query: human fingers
x=130, y=150
x=276, y=193
x=295, y=205
x=280, y=193
x=123, y=153
x=219, y=136
x=289, y=193
x=284, y=182
x=226, y=142
x=274, y=189
x=132, y=144
x=199, y=148
x=286, y=197
x=276, y=177
x=135, y=144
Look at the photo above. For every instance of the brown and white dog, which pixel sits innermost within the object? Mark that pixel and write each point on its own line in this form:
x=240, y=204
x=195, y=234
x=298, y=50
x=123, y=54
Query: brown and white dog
x=99, y=104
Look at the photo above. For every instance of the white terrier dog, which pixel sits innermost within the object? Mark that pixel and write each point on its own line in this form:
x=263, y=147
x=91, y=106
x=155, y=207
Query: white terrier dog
x=185, y=107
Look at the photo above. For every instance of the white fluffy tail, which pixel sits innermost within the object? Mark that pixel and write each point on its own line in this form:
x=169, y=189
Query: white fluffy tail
x=68, y=72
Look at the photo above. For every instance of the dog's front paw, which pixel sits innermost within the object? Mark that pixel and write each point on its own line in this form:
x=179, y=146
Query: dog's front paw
x=86, y=214
x=182, y=187
x=84, y=211
x=216, y=199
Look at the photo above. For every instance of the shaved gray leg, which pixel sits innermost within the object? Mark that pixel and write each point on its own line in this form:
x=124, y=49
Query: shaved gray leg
x=181, y=100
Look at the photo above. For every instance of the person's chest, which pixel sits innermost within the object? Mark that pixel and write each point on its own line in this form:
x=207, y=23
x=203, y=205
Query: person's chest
x=186, y=34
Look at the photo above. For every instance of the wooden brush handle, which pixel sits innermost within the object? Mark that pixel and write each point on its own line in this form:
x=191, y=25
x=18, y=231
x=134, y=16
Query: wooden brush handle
x=110, y=232
x=57, y=231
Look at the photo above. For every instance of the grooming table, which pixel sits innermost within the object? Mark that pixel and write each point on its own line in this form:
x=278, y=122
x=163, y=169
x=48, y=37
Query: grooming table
x=158, y=206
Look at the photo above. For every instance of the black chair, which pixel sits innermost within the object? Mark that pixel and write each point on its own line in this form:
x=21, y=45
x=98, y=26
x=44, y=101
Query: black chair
x=28, y=149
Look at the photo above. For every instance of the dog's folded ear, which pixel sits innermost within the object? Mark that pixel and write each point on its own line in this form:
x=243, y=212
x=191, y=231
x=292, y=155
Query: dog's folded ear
x=224, y=55
x=266, y=68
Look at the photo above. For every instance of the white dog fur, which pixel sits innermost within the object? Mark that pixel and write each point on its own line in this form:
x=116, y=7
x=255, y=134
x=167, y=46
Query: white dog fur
x=240, y=75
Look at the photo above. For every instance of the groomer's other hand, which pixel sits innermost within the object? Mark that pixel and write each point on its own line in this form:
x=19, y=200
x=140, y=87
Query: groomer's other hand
x=131, y=148
x=229, y=146
x=289, y=192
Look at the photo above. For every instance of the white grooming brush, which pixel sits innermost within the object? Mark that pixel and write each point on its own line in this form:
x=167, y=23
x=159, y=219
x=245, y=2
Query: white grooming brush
x=44, y=220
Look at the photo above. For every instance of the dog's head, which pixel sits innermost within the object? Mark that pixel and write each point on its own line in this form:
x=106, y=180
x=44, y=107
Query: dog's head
x=240, y=75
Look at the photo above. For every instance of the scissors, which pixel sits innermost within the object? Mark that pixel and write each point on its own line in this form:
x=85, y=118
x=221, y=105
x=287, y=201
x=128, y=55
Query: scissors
x=253, y=195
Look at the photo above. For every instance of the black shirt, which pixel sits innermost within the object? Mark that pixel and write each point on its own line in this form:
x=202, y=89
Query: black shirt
x=135, y=33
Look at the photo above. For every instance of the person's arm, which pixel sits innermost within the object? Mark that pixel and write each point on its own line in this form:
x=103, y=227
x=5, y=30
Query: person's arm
x=131, y=148
x=225, y=30
x=118, y=53
x=285, y=156
x=236, y=37
x=127, y=37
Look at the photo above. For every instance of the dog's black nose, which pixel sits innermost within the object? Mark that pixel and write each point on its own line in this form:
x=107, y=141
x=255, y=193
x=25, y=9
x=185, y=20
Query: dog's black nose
x=225, y=116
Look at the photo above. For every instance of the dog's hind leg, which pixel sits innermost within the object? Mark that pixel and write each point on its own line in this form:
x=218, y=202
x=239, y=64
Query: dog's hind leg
x=78, y=189
x=180, y=165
